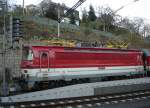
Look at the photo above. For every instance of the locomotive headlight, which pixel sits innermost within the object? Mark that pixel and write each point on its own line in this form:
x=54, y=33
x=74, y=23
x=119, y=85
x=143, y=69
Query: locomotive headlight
x=27, y=75
x=25, y=71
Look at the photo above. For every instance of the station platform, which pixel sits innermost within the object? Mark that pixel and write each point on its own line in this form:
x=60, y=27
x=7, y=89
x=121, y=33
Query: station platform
x=80, y=90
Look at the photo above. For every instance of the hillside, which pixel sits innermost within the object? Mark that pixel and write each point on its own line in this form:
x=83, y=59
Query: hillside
x=39, y=28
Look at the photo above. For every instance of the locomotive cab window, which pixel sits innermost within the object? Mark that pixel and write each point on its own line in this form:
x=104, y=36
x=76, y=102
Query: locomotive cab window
x=27, y=54
x=44, y=55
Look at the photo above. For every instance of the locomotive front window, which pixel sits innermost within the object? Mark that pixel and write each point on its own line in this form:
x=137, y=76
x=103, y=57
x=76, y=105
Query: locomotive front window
x=27, y=54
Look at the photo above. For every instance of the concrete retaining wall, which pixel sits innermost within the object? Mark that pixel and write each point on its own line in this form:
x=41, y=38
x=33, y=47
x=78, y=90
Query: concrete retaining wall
x=12, y=63
x=121, y=89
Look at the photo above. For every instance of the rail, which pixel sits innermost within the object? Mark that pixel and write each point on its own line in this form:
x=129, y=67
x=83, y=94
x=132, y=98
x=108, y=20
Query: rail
x=88, y=101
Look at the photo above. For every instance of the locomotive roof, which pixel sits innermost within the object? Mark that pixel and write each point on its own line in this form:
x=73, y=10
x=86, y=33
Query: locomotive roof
x=81, y=48
x=146, y=51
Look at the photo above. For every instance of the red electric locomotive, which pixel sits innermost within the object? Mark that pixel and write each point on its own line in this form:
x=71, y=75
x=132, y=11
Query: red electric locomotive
x=49, y=63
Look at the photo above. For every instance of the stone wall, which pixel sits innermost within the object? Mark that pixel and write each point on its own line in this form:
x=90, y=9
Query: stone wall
x=12, y=63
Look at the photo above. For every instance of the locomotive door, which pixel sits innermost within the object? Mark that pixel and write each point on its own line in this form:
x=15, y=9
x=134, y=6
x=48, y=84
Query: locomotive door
x=44, y=61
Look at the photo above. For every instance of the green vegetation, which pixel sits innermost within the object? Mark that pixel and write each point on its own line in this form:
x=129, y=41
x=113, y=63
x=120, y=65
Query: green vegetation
x=46, y=29
x=91, y=14
x=37, y=28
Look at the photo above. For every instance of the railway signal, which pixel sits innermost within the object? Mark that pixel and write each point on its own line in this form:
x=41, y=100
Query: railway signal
x=17, y=28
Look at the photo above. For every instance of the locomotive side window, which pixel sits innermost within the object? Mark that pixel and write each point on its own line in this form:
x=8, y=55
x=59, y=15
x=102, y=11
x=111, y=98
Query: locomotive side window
x=44, y=55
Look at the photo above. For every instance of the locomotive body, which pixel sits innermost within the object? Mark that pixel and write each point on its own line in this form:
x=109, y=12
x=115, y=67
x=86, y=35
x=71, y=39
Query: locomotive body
x=148, y=62
x=47, y=63
x=147, y=59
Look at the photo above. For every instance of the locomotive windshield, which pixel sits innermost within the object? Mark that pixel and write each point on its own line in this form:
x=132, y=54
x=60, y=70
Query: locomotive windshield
x=27, y=54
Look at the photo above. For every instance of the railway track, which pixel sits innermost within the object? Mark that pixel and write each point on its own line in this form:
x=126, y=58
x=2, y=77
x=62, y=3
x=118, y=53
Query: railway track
x=82, y=102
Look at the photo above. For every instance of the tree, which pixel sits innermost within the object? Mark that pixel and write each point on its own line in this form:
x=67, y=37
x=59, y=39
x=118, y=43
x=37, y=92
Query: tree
x=91, y=14
x=146, y=30
x=84, y=16
x=44, y=7
x=107, y=18
x=138, y=24
x=52, y=12
x=32, y=10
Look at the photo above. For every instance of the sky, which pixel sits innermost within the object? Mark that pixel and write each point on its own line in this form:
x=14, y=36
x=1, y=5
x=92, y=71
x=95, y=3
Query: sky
x=140, y=8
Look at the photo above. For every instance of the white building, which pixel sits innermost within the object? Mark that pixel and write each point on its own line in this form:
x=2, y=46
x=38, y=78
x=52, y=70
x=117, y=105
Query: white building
x=63, y=8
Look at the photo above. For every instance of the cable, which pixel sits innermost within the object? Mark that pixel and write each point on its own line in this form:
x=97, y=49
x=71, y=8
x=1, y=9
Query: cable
x=69, y=11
